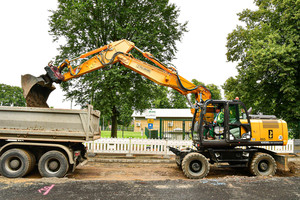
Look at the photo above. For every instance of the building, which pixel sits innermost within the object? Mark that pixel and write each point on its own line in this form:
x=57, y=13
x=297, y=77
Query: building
x=173, y=119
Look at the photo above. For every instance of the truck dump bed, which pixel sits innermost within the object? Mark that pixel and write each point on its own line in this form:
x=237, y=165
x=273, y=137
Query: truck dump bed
x=48, y=124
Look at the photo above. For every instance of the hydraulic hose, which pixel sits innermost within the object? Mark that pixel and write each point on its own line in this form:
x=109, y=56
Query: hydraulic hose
x=111, y=60
x=179, y=80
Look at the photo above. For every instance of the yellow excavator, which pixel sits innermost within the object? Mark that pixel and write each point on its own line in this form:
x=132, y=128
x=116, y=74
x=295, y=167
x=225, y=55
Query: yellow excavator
x=232, y=141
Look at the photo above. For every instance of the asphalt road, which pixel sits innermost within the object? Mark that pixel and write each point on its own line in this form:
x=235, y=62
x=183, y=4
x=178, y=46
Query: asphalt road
x=220, y=188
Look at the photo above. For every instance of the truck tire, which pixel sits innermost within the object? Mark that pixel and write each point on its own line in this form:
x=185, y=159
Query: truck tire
x=53, y=164
x=263, y=164
x=195, y=166
x=15, y=163
x=32, y=161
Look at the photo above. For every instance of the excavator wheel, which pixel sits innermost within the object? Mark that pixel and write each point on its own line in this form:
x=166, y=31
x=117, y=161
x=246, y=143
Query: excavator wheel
x=263, y=164
x=195, y=166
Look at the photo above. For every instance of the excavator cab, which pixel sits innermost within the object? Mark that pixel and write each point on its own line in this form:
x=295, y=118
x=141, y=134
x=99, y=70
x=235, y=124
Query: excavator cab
x=222, y=123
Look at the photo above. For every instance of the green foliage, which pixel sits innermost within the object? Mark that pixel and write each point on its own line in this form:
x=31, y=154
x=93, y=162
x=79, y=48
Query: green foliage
x=178, y=100
x=115, y=90
x=169, y=98
x=11, y=96
x=267, y=52
x=294, y=129
x=215, y=91
x=162, y=98
x=230, y=88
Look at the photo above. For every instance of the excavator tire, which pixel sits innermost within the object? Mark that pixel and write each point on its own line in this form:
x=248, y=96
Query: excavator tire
x=263, y=164
x=195, y=166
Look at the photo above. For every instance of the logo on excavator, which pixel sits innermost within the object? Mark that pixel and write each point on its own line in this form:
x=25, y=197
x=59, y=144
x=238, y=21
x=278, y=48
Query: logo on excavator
x=270, y=134
x=143, y=68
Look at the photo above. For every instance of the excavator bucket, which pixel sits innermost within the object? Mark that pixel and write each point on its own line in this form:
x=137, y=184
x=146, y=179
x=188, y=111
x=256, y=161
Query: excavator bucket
x=36, y=90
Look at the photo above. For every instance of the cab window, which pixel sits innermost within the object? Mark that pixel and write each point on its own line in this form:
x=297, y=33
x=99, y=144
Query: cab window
x=236, y=127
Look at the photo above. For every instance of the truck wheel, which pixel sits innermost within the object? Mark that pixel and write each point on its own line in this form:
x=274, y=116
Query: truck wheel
x=32, y=161
x=53, y=164
x=195, y=166
x=263, y=165
x=15, y=163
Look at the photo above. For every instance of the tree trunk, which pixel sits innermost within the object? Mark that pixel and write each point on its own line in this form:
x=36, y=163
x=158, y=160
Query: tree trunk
x=114, y=123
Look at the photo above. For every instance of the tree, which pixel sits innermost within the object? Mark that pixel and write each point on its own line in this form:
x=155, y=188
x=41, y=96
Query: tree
x=178, y=100
x=267, y=52
x=86, y=25
x=230, y=88
x=215, y=91
x=162, y=98
x=11, y=96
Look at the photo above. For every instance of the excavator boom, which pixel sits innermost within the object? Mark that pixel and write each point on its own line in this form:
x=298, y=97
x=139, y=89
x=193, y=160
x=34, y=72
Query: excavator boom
x=37, y=89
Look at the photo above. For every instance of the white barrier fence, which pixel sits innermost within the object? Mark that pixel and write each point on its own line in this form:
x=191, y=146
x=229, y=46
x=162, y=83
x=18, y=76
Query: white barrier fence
x=155, y=146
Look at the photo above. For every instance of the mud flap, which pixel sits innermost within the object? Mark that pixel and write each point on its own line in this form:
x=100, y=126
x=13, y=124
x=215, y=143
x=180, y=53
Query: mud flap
x=282, y=162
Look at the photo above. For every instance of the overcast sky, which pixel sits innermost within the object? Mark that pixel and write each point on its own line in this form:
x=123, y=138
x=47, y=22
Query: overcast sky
x=27, y=47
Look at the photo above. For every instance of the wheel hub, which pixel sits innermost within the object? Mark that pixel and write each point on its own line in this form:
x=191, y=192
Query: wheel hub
x=14, y=164
x=53, y=165
x=263, y=166
x=196, y=167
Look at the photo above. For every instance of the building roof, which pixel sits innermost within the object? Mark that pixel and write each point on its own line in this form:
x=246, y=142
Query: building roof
x=184, y=113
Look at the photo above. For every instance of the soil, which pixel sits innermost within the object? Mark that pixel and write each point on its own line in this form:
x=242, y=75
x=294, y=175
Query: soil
x=143, y=172
x=37, y=90
x=169, y=171
x=37, y=98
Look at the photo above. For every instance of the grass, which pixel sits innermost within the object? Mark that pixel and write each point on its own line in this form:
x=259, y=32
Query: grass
x=127, y=134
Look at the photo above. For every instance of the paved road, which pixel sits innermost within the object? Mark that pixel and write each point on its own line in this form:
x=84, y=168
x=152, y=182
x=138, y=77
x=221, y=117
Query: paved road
x=220, y=188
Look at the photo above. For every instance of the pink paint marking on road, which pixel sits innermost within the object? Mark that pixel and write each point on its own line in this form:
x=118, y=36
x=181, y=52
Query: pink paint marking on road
x=46, y=189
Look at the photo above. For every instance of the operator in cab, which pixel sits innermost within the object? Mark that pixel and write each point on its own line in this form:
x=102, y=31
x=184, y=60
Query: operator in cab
x=218, y=123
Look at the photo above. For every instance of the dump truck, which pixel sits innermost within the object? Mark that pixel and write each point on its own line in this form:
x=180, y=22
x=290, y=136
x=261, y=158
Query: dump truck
x=51, y=138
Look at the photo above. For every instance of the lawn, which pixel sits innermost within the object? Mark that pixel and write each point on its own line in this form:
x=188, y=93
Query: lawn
x=127, y=134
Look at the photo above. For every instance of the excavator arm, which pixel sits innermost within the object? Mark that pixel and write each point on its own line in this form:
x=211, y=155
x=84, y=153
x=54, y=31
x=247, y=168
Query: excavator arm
x=37, y=89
